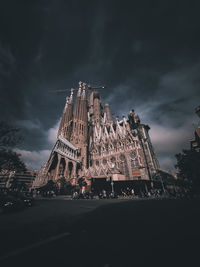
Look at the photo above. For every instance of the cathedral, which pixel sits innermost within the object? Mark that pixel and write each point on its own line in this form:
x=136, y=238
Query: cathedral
x=94, y=145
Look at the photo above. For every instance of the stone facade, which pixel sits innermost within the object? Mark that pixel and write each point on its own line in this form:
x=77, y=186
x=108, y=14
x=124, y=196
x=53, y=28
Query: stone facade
x=92, y=144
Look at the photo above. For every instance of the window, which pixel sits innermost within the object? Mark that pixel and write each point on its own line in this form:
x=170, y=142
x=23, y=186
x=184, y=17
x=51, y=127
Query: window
x=104, y=161
x=132, y=154
x=113, y=159
x=122, y=157
x=132, y=164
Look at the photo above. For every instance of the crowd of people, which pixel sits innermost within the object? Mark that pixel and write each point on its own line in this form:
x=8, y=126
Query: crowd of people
x=83, y=192
x=130, y=193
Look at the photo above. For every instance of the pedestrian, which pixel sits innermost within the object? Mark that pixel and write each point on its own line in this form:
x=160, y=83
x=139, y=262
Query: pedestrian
x=132, y=192
x=104, y=193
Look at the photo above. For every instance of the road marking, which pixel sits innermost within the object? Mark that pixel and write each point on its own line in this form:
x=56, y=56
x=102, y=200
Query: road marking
x=34, y=245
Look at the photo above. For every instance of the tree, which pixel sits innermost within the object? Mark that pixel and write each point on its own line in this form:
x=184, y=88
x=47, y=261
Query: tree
x=16, y=185
x=188, y=165
x=9, y=138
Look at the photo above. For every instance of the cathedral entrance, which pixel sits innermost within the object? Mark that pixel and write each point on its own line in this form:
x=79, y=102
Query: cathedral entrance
x=61, y=168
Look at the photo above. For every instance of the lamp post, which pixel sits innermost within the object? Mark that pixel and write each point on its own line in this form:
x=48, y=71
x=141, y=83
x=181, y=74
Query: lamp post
x=111, y=180
x=112, y=186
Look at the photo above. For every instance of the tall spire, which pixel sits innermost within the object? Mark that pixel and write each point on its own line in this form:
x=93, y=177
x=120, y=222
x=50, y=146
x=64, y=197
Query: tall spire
x=83, y=93
x=62, y=122
x=69, y=113
x=71, y=96
x=65, y=125
x=77, y=105
x=80, y=127
x=79, y=88
x=97, y=108
x=66, y=105
x=83, y=105
x=107, y=111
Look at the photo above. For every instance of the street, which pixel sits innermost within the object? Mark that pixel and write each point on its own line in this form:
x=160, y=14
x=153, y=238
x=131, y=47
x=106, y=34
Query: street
x=103, y=233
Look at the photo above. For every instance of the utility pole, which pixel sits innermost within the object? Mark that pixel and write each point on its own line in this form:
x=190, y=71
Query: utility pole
x=112, y=186
x=111, y=181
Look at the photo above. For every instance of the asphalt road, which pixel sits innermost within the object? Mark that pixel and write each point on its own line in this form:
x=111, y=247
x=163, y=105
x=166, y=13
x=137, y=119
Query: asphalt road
x=102, y=233
x=47, y=218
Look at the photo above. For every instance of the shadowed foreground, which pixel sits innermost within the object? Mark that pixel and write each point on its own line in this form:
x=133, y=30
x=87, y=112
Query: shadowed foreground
x=125, y=233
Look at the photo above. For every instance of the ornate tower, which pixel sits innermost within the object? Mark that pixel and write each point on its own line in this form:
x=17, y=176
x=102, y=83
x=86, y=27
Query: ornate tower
x=107, y=111
x=79, y=137
x=65, y=127
x=95, y=108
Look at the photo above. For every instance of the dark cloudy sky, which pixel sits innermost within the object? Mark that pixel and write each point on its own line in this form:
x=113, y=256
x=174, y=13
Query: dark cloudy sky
x=146, y=52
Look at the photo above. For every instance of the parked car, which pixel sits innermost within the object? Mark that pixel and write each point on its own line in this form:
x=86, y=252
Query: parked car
x=15, y=201
x=25, y=197
x=27, y=200
x=10, y=203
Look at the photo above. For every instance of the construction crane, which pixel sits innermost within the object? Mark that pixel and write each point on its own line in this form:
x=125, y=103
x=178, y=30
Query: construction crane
x=88, y=88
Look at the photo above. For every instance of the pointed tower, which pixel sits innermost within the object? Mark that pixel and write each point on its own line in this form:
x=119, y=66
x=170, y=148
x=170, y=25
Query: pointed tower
x=107, y=111
x=60, y=130
x=79, y=137
x=95, y=108
x=65, y=127
x=68, y=123
x=76, y=124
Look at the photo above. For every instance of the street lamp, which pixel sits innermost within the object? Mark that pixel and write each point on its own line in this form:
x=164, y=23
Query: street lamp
x=111, y=180
x=112, y=185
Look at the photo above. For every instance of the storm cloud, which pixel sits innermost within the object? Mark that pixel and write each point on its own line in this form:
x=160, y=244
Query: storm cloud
x=145, y=52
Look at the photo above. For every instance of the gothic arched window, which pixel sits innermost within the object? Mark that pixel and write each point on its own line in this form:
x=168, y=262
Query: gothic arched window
x=132, y=154
x=132, y=164
x=104, y=161
x=113, y=159
x=122, y=157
